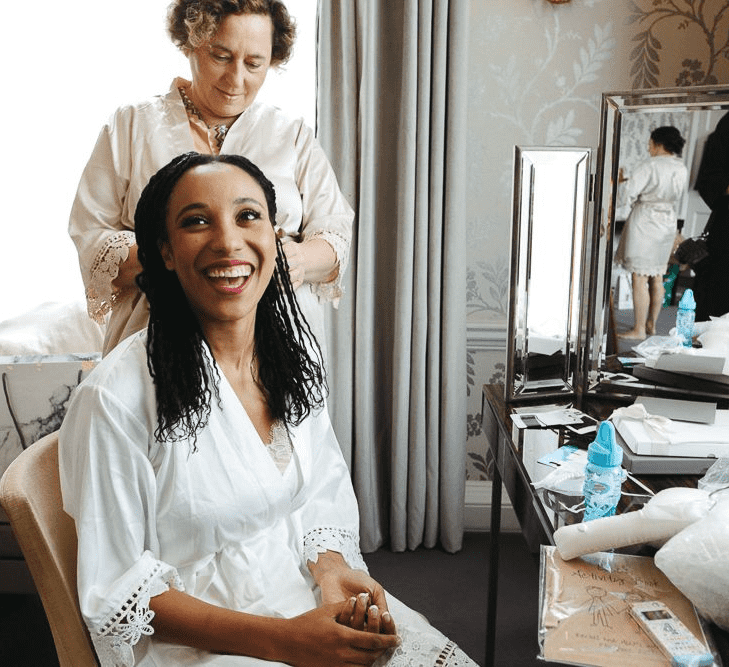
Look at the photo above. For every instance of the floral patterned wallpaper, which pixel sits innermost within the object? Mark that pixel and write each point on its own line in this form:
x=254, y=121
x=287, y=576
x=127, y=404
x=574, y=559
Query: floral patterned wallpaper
x=703, y=31
x=537, y=73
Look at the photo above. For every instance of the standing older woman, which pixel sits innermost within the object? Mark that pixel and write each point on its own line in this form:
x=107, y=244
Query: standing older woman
x=230, y=44
x=653, y=190
x=216, y=519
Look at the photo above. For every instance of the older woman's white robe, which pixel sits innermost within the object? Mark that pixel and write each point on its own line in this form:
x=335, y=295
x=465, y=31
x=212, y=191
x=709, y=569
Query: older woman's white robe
x=140, y=139
x=221, y=522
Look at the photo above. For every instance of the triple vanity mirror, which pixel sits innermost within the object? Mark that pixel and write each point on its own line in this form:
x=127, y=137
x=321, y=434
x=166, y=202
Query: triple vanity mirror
x=562, y=320
x=551, y=187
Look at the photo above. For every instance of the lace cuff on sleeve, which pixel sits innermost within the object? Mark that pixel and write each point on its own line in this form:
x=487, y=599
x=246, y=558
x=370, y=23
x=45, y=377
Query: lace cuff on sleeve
x=332, y=291
x=422, y=649
x=100, y=294
x=115, y=639
x=345, y=542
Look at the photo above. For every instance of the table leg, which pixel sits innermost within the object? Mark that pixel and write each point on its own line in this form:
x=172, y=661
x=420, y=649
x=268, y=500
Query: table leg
x=492, y=597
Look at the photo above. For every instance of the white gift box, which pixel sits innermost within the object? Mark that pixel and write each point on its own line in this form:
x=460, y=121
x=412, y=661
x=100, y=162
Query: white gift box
x=659, y=436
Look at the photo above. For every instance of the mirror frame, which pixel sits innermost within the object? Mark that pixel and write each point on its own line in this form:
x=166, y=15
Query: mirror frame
x=530, y=166
x=615, y=105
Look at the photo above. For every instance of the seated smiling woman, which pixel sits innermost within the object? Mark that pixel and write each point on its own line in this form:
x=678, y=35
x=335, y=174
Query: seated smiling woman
x=216, y=520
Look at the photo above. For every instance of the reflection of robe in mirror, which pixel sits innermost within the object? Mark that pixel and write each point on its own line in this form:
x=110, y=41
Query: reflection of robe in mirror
x=711, y=287
x=650, y=231
x=649, y=234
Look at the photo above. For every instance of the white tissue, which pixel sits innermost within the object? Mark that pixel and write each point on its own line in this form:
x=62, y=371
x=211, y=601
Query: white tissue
x=716, y=340
x=654, y=346
x=714, y=335
x=568, y=478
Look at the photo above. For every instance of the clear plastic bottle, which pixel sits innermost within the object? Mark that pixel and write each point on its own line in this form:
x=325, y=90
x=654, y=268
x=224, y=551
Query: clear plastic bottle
x=604, y=474
x=685, y=317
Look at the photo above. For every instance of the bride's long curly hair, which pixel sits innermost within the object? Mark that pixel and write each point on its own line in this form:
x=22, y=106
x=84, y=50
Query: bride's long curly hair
x=290, y=368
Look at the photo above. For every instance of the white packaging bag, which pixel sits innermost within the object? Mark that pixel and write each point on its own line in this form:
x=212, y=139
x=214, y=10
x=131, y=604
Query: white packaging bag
x=696, y=560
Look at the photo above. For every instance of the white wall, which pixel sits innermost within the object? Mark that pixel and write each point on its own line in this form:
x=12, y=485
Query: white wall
x=66, y=68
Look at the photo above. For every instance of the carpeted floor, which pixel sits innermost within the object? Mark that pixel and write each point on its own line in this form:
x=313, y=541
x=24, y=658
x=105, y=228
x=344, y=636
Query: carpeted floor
x=25, y=638
x=449, y=589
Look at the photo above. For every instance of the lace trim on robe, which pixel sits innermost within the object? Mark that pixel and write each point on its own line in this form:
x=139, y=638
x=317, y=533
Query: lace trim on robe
x=333, y=290
x=114, y=641
x=345, y=542
x=417, y=650
x=649, y=271
x=280, y=447
x=101, y=297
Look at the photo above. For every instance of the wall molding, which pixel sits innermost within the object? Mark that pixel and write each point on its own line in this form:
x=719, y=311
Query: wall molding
x=486, y=336
x=478, y=509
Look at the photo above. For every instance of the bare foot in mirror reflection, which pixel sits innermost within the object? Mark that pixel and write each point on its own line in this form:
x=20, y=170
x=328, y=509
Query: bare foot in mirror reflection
x=633, y=334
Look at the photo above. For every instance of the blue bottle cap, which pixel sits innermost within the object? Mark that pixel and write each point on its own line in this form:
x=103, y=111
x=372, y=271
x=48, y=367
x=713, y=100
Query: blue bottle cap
x=687, y=301
x=604, y=451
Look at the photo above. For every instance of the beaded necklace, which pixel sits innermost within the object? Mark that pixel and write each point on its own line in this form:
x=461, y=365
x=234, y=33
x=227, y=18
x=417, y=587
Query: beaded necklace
x=220, y=130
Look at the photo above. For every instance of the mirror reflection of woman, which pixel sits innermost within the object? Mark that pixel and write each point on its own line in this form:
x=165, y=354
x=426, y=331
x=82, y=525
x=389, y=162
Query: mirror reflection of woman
x=230, y=45
x=652, y=192
x=216, y=519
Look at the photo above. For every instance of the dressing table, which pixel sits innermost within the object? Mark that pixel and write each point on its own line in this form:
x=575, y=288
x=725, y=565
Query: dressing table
x=539, y=512
x=560, y=320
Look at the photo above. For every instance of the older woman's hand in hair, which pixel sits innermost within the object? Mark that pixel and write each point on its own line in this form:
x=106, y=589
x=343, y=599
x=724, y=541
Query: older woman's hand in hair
x=312, y=261
x=129, y=269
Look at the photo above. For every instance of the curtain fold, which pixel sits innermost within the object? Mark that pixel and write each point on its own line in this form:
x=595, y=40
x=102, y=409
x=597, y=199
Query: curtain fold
x=391, y=116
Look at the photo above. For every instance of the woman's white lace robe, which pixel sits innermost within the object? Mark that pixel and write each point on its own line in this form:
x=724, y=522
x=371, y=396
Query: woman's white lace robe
x=653, y=191
x=221, y=523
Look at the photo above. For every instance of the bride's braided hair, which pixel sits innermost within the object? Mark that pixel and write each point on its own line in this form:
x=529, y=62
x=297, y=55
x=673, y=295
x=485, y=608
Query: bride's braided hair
x=289, y=358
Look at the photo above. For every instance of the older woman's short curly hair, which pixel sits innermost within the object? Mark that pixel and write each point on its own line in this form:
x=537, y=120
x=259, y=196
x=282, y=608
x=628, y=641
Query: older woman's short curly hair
x=191, y=23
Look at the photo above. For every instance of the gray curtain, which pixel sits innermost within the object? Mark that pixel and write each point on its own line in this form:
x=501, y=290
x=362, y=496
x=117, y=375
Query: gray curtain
x=391, y=116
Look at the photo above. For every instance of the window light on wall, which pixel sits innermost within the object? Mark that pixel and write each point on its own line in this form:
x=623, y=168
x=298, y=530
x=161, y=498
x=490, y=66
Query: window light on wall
x=64, y=75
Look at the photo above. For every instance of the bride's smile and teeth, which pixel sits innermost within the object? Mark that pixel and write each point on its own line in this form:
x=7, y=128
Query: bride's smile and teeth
x=220, y=243
x=231, y=276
